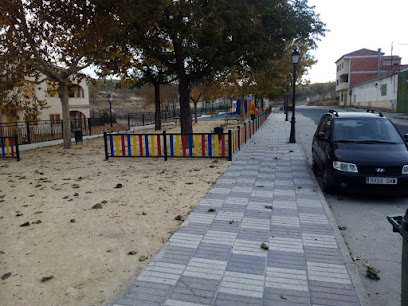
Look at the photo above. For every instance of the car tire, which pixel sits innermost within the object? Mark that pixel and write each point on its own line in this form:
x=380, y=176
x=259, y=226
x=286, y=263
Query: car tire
x=315, y=167
x=328, y=184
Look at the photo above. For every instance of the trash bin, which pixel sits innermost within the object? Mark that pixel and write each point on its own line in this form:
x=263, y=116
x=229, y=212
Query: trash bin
x=400, y=225
x=252, y=117
x=219, y=130
x=78, y=136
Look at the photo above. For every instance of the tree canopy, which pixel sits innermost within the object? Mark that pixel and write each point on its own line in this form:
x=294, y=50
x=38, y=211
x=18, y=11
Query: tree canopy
x=190, y=40
x=51, y=40
x=196, y=40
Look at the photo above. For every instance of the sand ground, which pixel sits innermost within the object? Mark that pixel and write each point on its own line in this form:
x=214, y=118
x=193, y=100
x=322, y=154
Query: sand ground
x=84, y=249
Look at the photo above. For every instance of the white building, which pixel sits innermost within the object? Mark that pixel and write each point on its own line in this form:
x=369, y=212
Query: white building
x=382, y=92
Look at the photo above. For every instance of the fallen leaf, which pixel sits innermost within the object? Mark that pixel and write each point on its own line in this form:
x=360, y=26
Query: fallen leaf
x=355, y=258
x=264, y=246
x=46, y=278
x=372, y=274
x=6, y=276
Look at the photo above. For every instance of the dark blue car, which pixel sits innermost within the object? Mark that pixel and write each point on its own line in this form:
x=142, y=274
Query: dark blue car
x=360, y=151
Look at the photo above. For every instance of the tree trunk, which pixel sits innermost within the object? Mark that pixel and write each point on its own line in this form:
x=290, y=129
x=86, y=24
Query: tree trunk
x=63, y=93
x=185, y=110
x=157, y=114
x=195, y=111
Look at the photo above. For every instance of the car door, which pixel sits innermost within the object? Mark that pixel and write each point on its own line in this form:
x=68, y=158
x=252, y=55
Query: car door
x=321, y=146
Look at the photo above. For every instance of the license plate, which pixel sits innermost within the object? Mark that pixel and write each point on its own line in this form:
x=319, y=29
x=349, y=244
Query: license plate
x=381, y=180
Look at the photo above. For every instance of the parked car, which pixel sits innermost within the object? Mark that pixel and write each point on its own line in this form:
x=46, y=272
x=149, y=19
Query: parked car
x=358, y=151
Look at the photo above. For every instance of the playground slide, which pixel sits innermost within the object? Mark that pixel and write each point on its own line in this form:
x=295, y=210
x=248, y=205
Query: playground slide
x=255, y=110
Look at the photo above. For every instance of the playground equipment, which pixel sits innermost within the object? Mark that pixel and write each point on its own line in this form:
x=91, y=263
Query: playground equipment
x=249, y=107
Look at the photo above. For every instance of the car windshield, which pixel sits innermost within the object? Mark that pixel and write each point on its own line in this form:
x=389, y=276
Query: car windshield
x=370, y=130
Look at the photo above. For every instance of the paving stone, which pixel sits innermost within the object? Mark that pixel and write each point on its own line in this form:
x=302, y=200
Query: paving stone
x=177, y=255
x=193, y=228
x=324, y=272
x=324, y=255
x=314, y=218
x=246, y=264
x=289, y=260
x=229, y=216
x=133, y=302
x=246, y=284
x=286, y=244
x=185, y=240
x=236, y=201
x=160, y=272
x=282, y=278
x=205, y=268
x=285, y=221
x=212, y=202
x=220, y=237
x=171, y=302
x=213, y=251
x=248, y=247
x=262, y=213
x=256, y=235
x=201, y=218
x=225, y=226
x=226, y=299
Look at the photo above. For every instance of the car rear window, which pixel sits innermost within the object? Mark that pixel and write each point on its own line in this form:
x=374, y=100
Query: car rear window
x=365, y=129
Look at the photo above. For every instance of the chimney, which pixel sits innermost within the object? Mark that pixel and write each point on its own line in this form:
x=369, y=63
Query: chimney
x=379, y=61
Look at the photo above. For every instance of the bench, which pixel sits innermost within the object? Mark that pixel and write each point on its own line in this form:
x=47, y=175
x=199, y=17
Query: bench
x=235, y=118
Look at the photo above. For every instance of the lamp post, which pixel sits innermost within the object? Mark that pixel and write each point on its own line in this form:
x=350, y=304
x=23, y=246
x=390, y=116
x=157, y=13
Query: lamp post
x=295, y=60
x=110, y=98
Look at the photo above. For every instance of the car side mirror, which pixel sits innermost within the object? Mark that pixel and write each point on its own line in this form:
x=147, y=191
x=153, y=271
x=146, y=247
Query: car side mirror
x=321, y=136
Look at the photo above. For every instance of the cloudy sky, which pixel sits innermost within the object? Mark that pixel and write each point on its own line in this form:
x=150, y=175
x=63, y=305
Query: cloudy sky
x=357, y=24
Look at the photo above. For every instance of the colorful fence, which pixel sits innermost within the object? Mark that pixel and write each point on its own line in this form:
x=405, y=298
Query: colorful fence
x=9, y=147
x=196, y=145
x=210, y=145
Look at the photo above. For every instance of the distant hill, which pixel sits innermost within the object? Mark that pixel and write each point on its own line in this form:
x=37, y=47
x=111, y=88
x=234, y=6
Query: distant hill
x=318, y=94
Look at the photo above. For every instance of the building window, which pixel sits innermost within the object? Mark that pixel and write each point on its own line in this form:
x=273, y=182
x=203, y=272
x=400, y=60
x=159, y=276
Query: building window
x=342, y=65
x=341, y=97
x=337, y=82
x=383, y=89
x=355, y=99
x=52, y=90
x=55, y=118
x=76, y=91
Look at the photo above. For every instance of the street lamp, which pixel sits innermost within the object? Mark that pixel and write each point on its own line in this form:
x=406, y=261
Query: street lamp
x=295, y=60
x=110, y=98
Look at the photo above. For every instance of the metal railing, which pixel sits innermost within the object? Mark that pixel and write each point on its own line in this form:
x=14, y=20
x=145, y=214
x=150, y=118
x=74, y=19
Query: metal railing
x=46, y=130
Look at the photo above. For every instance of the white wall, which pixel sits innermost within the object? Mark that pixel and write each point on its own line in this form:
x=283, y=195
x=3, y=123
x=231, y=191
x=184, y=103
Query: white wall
x=368, y=94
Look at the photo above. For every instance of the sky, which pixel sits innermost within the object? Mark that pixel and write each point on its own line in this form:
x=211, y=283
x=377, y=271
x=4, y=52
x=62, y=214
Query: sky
x=358, y=24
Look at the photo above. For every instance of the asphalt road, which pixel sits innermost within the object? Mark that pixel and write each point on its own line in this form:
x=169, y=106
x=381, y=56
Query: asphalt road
x=367, y=233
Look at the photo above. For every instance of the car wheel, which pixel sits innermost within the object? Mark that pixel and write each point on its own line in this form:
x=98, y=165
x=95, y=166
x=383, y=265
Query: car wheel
x=328, y=185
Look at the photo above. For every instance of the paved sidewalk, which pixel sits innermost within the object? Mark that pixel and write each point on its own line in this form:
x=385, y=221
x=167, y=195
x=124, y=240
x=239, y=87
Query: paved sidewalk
x=215, y=258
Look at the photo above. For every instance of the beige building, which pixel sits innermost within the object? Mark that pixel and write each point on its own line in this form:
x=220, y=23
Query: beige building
x=47, y=92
